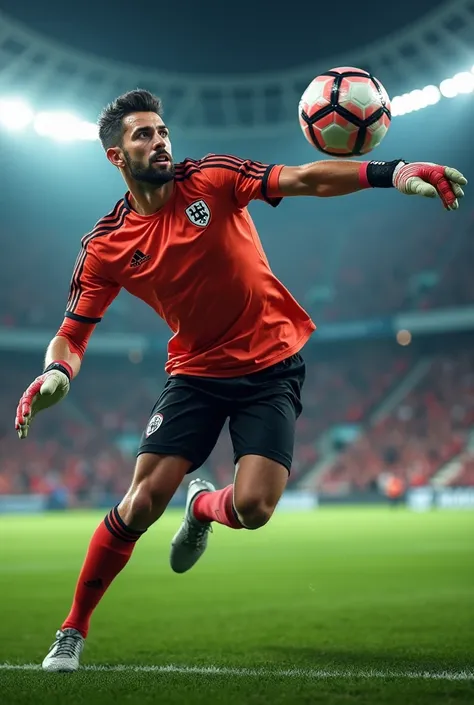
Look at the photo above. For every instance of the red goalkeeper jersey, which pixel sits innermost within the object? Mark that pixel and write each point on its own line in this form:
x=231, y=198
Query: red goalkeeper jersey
x=198, y=262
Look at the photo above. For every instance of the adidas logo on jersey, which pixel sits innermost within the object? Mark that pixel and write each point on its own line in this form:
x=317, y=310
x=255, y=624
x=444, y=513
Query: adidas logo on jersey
x=138, y=258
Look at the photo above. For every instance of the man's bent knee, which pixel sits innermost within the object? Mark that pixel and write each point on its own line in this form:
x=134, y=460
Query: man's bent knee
x=145, y=504
x=253, y=513
x=155, y=481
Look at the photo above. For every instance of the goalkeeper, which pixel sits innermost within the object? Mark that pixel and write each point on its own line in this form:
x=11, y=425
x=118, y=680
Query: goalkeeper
x=182, y=240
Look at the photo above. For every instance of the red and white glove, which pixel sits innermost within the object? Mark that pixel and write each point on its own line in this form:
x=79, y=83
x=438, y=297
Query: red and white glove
x=46, y=390
x=430, y=180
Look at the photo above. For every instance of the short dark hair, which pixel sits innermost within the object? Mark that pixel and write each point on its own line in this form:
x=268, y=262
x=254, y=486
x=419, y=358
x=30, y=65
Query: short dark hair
x=110, y=120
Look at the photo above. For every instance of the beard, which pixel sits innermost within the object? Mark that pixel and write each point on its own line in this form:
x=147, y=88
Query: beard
x=150, y=174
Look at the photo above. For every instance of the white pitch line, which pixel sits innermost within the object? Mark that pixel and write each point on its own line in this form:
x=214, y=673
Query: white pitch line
x=317, y=674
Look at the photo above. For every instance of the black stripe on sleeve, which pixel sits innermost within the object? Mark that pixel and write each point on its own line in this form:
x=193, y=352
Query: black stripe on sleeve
x=272, y=201
x=81, y=319
x=76, y=284
x=239, y=170
x=247, y=166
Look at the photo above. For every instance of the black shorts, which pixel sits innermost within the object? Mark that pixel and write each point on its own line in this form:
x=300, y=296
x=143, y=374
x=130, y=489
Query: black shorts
x=262, y=409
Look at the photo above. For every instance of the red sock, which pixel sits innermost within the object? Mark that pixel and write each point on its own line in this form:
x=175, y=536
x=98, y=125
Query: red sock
x=109, y=551
x=217, y=506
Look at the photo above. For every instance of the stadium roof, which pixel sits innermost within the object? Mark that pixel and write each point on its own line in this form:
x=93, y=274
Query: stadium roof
x=189, y=37
x=53, y=73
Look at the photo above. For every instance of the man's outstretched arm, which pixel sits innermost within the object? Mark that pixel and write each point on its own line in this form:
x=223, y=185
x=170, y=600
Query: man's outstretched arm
x=338, y=178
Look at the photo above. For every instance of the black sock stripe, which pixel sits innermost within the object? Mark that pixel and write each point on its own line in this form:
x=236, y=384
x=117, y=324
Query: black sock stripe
x=115, y=533
x=118, y=529
x=123, y=525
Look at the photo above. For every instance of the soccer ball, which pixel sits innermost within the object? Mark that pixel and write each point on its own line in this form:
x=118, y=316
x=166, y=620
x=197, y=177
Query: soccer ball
x=345, y=112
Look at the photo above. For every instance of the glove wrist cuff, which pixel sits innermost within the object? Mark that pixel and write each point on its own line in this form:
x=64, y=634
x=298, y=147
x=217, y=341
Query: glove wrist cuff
x=379, y=174
x=61, y=366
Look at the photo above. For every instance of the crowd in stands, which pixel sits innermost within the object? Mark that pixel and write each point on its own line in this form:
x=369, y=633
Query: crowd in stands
x=410, y=268
x=464, y=477
x=429, y=427
x=87, y=444
x=84, y=449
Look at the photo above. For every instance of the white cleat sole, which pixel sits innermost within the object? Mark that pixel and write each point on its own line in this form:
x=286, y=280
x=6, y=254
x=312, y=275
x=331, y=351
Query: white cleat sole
x=59, y=668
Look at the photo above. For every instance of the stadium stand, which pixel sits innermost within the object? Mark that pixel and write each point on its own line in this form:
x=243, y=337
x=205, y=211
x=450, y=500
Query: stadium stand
x=428, y=428
x=86, y=446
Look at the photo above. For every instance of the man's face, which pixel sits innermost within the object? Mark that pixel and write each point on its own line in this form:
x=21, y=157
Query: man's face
x=146, y=149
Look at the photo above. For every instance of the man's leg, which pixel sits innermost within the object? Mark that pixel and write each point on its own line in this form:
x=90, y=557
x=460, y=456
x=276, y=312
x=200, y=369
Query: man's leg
x=248, y=503
x=262, y=428
x=258, y=486
x=182, y=430
x=155, y=481
x=251, y=500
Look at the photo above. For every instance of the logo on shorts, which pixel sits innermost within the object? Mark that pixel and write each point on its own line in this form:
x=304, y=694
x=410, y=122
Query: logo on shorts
x=154, y=424
x=199, y=213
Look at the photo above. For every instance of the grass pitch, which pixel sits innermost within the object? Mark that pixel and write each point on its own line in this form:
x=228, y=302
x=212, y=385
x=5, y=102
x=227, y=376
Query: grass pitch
x=340, y=606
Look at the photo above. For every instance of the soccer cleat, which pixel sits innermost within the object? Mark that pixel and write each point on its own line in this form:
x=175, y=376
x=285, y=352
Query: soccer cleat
x=190, y=542
x=64, y=653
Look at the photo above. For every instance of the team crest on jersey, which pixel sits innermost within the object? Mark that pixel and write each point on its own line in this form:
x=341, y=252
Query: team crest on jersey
x=154, y=424
x=199, y=213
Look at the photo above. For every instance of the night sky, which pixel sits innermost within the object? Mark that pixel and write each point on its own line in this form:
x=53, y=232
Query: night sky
x=200, y=36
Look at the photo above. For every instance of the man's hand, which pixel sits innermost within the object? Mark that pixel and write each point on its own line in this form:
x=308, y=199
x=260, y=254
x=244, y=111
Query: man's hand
x=430, y=180
x=46, y=390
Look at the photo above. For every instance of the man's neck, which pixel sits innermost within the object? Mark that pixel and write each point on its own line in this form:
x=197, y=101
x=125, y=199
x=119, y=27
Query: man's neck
x=147, y=200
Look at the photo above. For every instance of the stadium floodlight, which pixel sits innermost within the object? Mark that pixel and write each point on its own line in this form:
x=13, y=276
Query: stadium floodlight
x=60, y=126
x=88, y=131
x=464, y=82
x=399, y=105
x=432, y=95
x=15, y=113
x=448, y=88
x=415, y=100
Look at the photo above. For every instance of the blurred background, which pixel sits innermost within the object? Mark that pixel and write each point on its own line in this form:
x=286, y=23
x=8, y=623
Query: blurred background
x=389, y=398
x=360, y=590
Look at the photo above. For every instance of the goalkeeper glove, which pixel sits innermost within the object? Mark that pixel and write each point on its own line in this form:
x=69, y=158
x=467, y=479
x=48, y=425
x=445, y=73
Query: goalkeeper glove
x=44, y=391
x=430, y=180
